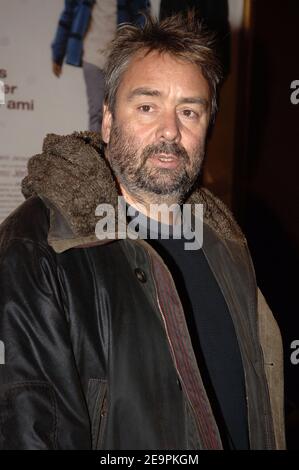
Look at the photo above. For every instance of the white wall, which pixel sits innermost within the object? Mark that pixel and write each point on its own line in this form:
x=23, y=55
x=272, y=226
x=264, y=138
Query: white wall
x=27, y=28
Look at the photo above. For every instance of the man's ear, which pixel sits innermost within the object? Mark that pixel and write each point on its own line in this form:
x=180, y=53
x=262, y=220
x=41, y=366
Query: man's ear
x=106, y=124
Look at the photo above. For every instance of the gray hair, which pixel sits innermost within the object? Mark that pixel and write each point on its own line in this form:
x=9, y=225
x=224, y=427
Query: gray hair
x=182, y=36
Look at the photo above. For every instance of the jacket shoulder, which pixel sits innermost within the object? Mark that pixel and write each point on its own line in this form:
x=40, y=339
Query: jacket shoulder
x=30, y=221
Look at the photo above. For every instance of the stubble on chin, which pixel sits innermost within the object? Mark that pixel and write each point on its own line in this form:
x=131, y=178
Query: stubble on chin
x=144, y=182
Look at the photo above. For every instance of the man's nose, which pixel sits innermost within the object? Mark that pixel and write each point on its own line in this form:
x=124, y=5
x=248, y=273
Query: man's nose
x=169, y=127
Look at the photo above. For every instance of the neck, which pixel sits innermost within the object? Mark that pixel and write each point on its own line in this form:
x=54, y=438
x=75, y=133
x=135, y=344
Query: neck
x=165, y=209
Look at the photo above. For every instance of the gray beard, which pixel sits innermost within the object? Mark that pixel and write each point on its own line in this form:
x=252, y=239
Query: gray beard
x=157, y=184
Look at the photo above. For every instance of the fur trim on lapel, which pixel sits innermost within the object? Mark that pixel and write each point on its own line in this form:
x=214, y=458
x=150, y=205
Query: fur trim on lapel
x=74, y=176
x=217, y=215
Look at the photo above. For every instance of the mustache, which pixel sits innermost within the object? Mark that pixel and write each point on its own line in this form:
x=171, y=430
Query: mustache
x=167, y=148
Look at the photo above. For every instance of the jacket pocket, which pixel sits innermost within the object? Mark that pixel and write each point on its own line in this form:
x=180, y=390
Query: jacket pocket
x=97, y=402
x=28, y=416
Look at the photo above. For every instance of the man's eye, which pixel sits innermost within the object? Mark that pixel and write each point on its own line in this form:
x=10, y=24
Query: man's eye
x=145, y=108
x=189, y=113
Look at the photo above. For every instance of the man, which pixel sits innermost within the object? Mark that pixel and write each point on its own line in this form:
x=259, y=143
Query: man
x=84, y=30
x=121, y=343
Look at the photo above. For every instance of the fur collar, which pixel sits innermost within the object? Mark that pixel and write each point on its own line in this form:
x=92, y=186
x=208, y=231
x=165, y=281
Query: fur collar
x=72, y=177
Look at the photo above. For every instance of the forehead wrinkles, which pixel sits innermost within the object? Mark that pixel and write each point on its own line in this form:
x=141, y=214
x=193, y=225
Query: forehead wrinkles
x=164, y=73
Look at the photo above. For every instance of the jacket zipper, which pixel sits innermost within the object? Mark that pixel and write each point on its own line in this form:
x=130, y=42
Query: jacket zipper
x=148, y=248
x=102, y=423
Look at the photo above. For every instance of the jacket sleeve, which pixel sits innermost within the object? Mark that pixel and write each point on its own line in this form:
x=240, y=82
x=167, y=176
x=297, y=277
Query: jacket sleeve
x=59, y=43
x=41, y=400
x=271, y=343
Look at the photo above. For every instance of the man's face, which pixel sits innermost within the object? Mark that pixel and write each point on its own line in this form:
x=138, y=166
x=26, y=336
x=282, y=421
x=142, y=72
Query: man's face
x=156, y=136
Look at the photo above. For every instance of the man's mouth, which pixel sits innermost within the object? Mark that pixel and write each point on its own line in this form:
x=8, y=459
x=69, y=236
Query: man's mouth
x=165, y=160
